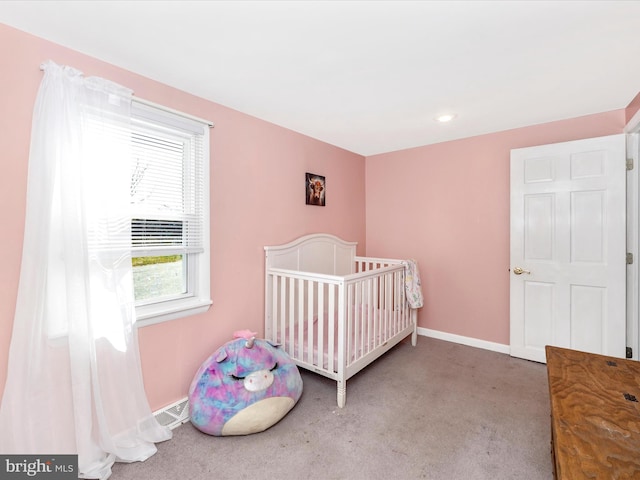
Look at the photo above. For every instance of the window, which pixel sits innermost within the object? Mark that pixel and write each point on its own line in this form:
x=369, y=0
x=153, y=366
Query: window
x=170, y=200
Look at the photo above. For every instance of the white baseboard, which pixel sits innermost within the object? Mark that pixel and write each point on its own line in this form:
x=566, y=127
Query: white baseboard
x=471, y=342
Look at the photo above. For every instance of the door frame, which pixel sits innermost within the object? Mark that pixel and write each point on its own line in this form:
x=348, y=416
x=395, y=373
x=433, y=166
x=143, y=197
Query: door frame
x=632, y=129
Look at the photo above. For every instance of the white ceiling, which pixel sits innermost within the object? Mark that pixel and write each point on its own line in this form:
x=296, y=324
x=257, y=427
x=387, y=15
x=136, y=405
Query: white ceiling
x=367, y=76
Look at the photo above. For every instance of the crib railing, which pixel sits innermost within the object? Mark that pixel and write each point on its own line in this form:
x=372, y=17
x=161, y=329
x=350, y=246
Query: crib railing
x=327, y=323
x=364, y=264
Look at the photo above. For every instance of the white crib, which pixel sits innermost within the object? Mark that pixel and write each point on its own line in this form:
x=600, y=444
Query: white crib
x=334, y=312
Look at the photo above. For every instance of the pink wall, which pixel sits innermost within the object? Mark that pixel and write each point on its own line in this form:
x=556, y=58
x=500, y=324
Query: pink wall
x=257, y=177
x=447, y=205
x=632, y=108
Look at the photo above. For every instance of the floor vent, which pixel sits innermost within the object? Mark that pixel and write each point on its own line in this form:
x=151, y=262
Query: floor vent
x=173, y=415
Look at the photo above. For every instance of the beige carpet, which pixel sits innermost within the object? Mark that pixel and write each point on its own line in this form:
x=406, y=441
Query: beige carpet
x=435, y=411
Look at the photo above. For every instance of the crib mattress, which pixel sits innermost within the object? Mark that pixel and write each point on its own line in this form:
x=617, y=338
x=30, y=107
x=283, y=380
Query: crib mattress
x=362, y=337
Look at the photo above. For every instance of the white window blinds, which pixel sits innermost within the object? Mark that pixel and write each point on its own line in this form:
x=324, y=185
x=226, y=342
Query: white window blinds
x=167, y=182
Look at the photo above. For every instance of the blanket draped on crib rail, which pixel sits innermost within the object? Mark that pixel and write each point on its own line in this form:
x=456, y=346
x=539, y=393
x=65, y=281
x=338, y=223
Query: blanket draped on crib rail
x=412, y=285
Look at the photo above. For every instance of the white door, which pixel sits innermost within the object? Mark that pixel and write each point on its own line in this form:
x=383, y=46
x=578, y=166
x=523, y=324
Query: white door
x=568, y=247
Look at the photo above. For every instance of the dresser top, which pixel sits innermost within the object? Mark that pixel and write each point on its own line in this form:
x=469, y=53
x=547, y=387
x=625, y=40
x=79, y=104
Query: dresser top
x=595, y=413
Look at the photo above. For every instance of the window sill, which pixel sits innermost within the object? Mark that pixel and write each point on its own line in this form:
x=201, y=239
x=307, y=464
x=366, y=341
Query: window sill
x=160, y=312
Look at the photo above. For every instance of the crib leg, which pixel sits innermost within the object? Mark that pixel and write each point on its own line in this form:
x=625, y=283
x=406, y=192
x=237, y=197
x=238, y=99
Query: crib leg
x=342, y=393
x=414, y=334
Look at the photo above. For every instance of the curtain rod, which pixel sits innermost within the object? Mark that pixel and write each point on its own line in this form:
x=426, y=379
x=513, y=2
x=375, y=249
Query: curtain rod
x=149, y=103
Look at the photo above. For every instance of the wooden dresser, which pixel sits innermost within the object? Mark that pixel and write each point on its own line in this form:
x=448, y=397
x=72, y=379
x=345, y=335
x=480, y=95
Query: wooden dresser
x=595, y=415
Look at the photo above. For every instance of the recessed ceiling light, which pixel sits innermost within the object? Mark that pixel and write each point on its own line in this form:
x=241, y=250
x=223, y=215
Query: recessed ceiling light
x=445, y=118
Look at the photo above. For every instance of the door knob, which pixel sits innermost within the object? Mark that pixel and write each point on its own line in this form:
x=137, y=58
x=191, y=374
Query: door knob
x=520, y=271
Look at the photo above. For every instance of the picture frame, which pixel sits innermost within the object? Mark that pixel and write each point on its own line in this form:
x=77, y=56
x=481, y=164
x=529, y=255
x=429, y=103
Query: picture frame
x=315, y=189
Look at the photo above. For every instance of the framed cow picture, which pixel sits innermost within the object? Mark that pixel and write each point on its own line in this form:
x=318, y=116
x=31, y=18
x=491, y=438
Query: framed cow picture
x=315, y=189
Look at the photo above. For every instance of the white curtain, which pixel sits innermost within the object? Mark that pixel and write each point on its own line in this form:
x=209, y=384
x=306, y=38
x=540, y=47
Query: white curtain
x=74, y=382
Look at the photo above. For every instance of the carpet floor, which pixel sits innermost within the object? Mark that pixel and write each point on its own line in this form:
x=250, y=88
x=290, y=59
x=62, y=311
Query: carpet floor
x=440, y=411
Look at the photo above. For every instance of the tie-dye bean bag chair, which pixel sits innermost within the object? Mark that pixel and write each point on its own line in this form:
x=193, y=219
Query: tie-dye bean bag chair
x=245, y=387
